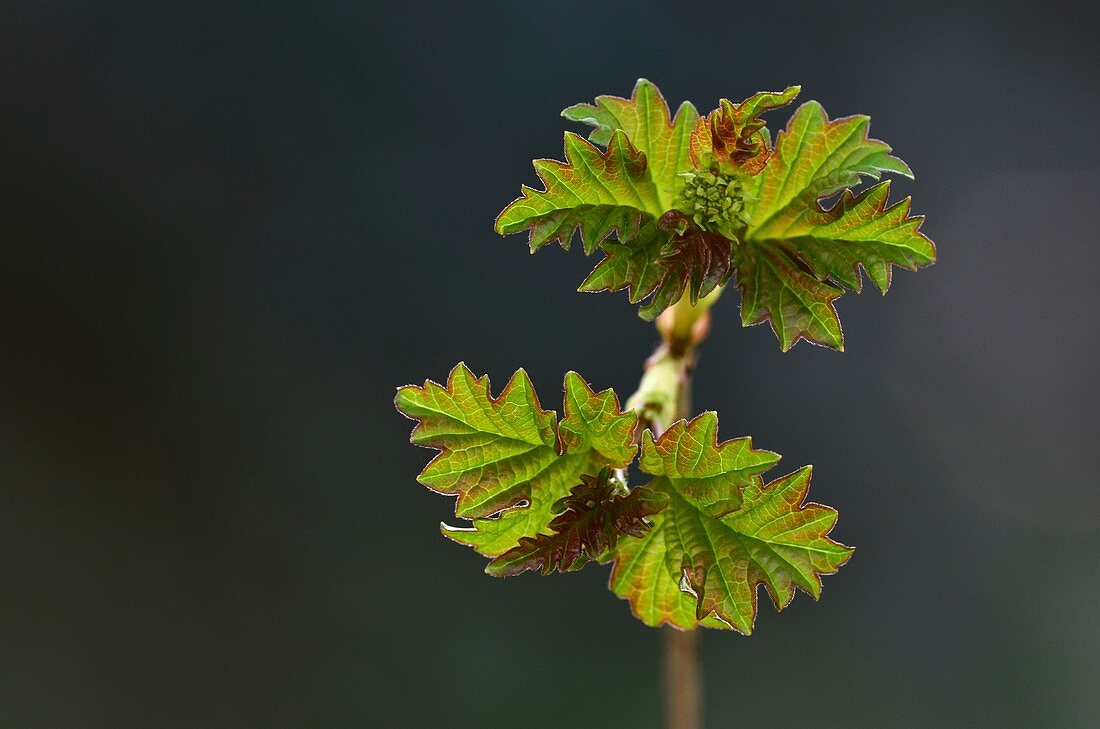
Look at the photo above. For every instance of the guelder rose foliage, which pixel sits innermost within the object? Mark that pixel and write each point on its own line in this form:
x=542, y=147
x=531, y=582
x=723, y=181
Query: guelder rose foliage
x=680, y=206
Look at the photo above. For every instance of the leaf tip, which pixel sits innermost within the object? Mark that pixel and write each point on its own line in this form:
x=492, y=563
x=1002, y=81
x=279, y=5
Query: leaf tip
x=399, y=396
x=573, y=379
x=451, y=532
x=460, y=370
x=901, y=167
x=576, y=112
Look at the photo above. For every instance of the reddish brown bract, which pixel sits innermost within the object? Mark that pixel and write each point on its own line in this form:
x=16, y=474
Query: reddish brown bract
x=590, y=521
x=695, y=259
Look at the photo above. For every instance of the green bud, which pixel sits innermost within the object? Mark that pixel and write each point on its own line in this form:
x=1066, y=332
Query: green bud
x=712, y=199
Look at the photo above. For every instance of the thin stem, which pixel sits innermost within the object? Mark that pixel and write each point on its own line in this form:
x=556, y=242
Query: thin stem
x=683, y=679
x=663, y=397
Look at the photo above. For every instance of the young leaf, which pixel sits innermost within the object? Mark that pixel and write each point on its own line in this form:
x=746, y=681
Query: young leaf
x=595, y=192
x=758, y=212
x=665, y=260
x=796, y=256
x=695, y=261
x=492, y=536
x=490, y=448
x=506, y=456
x=662, y=261
x=634, y=267
x=859, y=231
x=709, y=474
x=641, y=576
x=644, y=118
x=590, y=521
x=732, y=138
x=717, y=557
x=776, y=289
x=816, y=157
x=594, y=422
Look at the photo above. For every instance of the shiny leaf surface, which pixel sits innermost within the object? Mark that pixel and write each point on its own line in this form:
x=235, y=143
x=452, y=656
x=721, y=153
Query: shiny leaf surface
x=717, y=557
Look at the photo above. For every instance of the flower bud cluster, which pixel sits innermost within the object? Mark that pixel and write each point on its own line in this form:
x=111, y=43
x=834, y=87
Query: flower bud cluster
x=712, y=198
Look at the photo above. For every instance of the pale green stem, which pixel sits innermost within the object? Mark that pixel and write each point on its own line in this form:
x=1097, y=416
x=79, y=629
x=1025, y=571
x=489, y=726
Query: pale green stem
x=663, y=397
x=684, y=325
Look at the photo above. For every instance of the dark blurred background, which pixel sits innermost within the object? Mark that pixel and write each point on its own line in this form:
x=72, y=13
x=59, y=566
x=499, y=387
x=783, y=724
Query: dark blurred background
x=230, y=230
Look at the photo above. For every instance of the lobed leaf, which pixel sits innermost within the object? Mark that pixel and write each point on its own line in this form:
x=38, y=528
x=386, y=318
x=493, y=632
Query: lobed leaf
x=494, y=535
x=597, y=193
x=645, y=120
x=711, y=475
x=757, y=212
x=815, y=158
x=633, y=267
x=774, y=288
x=733, y=138
x=694, y=261
x=718, y=557
x=859, y=231
x=690, y=548
x=593, y=421
x=505, y=458
x=796, y=256
x=490, y=449
x=665, y=260
x=655, y=261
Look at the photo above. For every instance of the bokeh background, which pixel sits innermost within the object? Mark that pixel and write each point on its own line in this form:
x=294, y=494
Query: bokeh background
x=230, y=230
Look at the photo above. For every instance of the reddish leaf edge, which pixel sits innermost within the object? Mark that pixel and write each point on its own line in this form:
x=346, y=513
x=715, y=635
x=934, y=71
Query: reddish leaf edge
x=482, y=381
x=485, y=381
x=565, y=240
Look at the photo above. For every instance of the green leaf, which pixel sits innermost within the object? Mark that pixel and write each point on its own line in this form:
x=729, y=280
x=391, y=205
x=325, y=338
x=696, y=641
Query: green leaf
x=716, y=557
x=640, y=575
x=709, y=474
x=797, y=257
x=689, y=549
x=644, y=118
x=859, y=231
x=589, y=522
x=633, y=267
x=497, y=534
x=815, y=158
x=774, y=288
x=597, y=193
x=657, y=261
x=505, y=458
x=593, y=422
x=758, y=213
x=490, y=448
